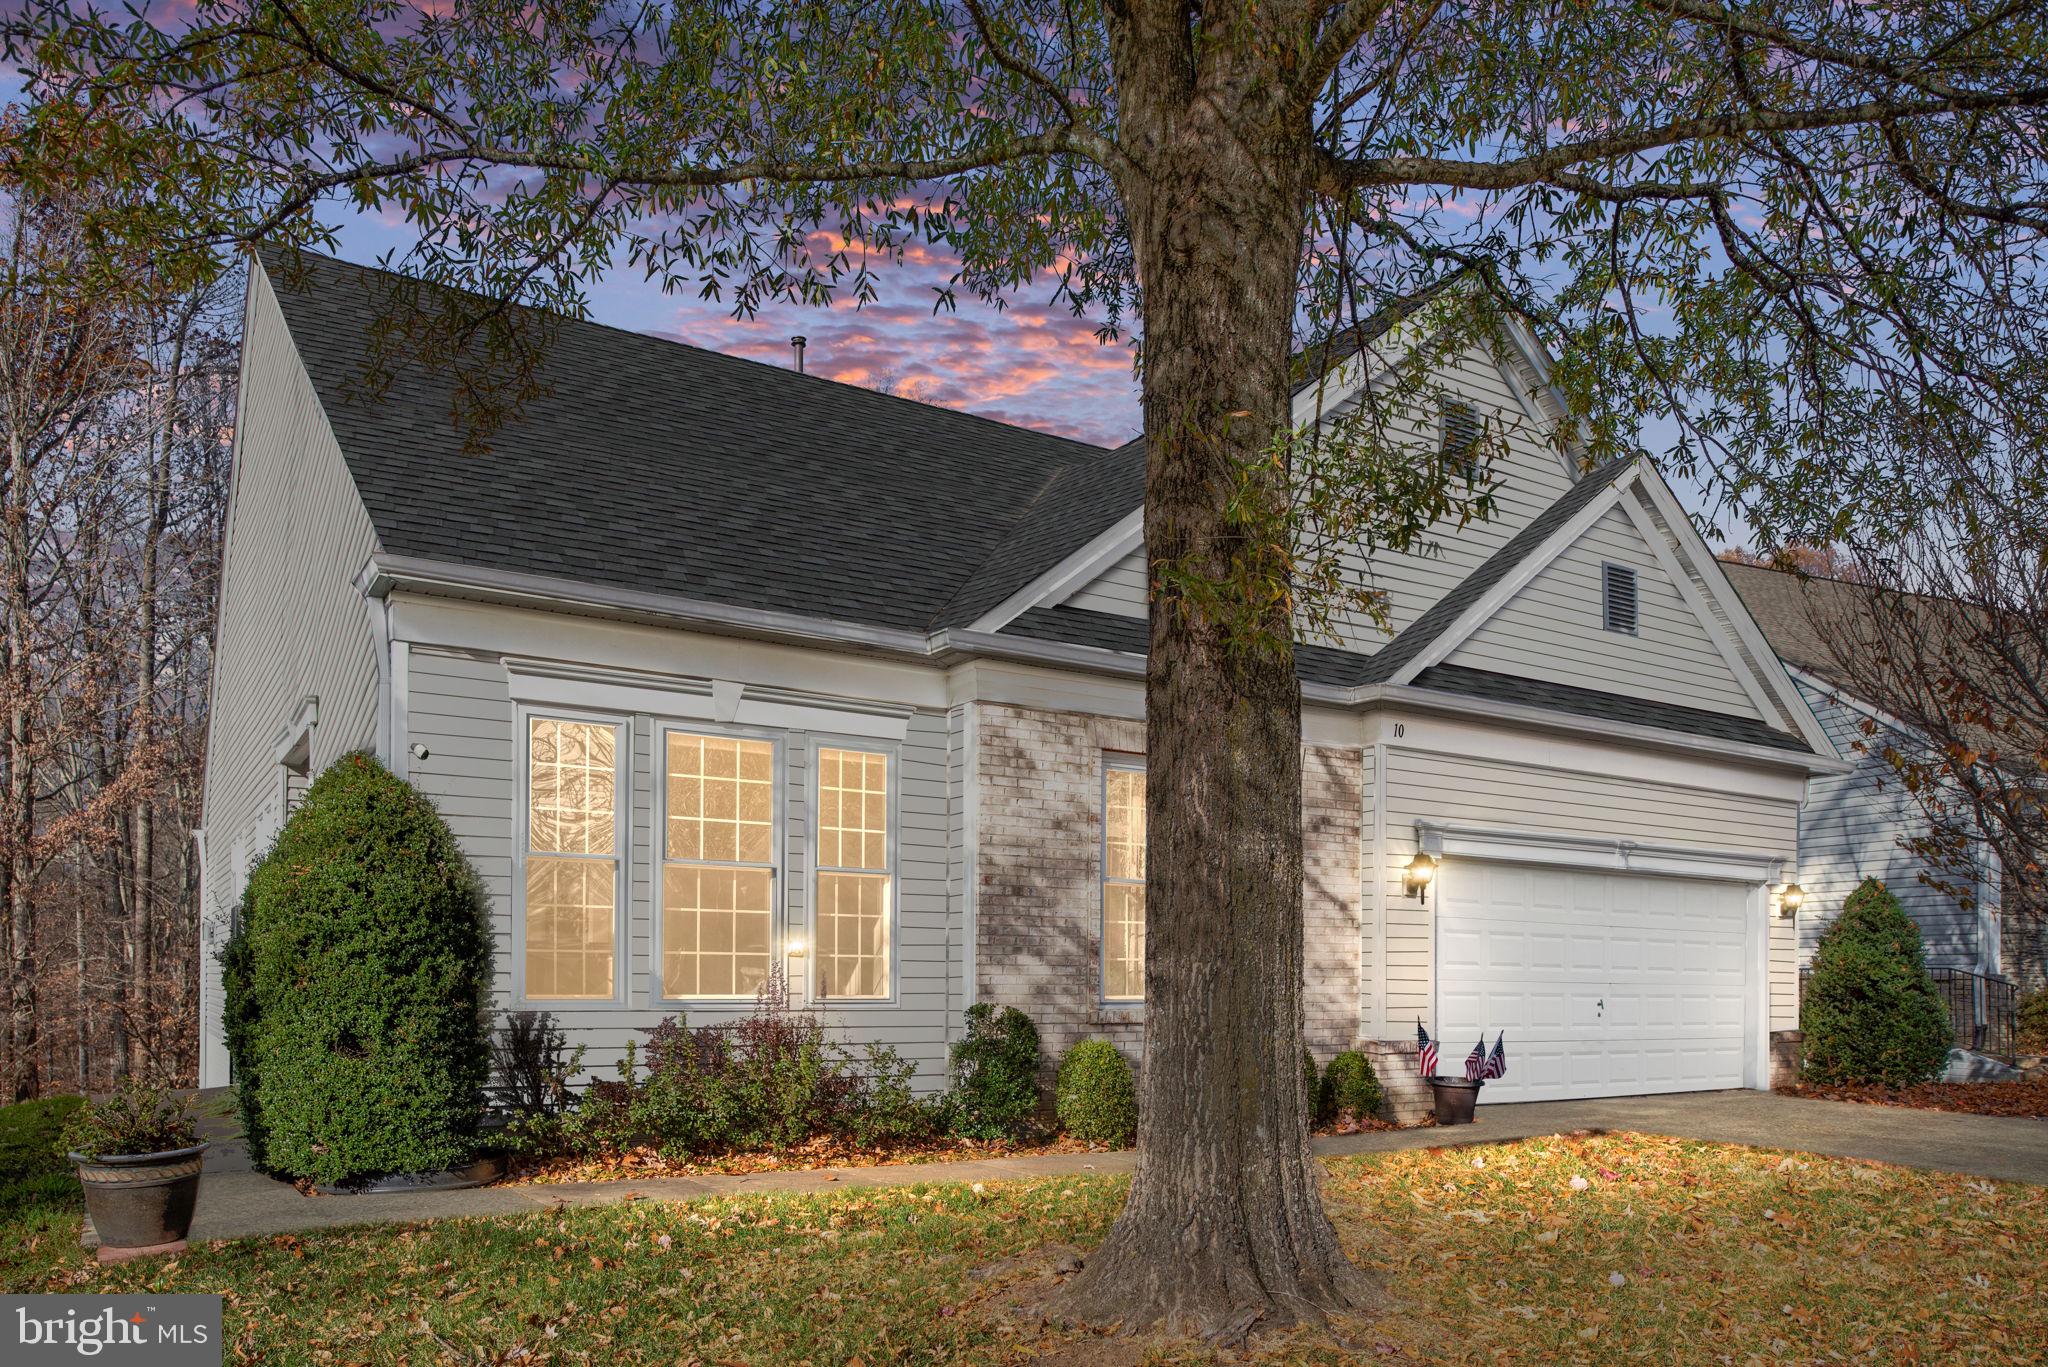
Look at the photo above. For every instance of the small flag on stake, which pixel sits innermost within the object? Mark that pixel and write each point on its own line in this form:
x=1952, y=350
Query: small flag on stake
x=1475, y=1062
x=1497, y=1061
x=1425, y=1050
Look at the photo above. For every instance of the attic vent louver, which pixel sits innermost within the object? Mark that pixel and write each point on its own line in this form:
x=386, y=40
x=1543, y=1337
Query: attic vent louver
x=1618, y=598
x=1459, y=440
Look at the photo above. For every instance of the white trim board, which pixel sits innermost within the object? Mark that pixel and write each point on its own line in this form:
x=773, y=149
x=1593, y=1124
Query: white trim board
x=1078, y=569
x=1517, y=578
x=1605, y=854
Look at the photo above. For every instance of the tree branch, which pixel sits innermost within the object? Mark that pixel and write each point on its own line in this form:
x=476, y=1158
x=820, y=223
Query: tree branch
x=1336, y=174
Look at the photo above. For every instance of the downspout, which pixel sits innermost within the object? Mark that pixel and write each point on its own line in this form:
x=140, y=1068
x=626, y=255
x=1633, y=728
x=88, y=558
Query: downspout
x=376, y=588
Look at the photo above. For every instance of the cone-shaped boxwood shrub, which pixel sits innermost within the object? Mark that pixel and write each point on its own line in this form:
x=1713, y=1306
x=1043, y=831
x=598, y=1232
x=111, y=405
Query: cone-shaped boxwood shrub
x=1350, y=1088
x=1871, y=1014
x=995, y=1074
x=1095, y=1095
x=357, y=986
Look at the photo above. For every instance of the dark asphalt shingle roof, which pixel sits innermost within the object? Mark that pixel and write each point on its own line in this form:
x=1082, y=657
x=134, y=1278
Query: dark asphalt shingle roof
x=1614, y=707
x=669, y=468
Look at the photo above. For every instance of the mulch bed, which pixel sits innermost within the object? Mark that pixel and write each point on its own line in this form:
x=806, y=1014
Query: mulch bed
x=823, y=1152
x=2028, y=1097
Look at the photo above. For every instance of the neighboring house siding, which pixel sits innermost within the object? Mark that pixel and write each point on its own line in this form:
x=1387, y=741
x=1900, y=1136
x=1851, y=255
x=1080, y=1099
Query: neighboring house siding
x=1851, y=829
x=292, y=626
x=1038, y=885
x=1530, y=478
x=1465, y=790
x=1553, y=630
x=462, y=710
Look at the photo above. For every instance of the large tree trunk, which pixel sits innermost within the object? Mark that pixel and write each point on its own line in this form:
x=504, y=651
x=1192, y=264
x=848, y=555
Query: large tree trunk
x=1224, y=1227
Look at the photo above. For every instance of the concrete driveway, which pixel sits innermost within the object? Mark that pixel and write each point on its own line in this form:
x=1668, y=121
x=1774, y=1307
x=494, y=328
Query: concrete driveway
x=236, y=1203
x=2015, y=1150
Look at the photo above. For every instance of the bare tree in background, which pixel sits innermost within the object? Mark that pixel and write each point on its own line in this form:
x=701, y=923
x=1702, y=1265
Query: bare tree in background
x=115, y=410
x=1940, y=620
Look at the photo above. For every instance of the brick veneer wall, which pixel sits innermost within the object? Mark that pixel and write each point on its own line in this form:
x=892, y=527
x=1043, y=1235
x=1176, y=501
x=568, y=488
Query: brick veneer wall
x=1038, y=901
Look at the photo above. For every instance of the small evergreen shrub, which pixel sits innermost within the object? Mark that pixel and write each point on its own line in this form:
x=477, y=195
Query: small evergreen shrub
x=357, y=986
x=1871, y=1013
x=1096, y=1097
x=995, y=1074
x=1311, y=1086
x=1351, y=1089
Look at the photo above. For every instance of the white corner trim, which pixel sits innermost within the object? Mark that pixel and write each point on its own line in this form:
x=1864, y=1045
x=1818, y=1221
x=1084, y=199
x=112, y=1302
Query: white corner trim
x=1540, y=360
x=1597, y=853
x=1078, y=569
x=1660, y=548
x=1516, y=579
x=1751, y=635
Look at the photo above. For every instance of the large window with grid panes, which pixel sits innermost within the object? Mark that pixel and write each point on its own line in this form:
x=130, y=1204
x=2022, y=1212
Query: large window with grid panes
x=572, y=848
x=855, y=886
x=1123, y=881
x=718, y=863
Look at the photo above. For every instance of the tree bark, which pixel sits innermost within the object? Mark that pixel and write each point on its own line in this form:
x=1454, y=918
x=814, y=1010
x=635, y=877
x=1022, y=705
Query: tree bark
x=1225, y=1227
x=25, y=1081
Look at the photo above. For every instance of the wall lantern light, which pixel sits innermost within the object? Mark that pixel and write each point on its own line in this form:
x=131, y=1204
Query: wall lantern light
x=1790, y=898
x=1421, y=871
x=796, y=946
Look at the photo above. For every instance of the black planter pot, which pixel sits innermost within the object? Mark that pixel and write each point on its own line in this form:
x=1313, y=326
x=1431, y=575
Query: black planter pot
x=141, y=1200
x=1455, y=1097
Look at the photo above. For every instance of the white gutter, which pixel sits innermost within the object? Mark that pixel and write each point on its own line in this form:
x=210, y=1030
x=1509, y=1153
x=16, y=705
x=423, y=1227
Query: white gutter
x=386, y=573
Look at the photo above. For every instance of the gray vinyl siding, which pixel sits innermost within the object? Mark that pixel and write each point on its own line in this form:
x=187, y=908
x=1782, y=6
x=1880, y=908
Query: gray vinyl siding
x=1531, y=477
x=1463, y=790
x=292, y=626
x=1852, y=827
x=1554, y=630
x=461, y=709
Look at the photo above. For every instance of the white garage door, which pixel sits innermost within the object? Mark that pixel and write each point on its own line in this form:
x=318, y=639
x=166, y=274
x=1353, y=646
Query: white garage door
x=1607, y=984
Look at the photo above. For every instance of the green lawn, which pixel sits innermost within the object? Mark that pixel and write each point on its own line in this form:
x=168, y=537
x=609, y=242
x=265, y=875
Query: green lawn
x=1721, y=1254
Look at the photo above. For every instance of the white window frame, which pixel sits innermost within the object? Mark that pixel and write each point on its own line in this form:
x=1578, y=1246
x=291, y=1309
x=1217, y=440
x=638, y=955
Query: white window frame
x=658, y=860
x=893, y=755
x=622, y=831
x=1115, y=764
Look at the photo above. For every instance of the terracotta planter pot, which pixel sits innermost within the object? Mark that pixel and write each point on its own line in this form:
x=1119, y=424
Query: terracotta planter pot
x=1454, y=1099
x=141, y=1200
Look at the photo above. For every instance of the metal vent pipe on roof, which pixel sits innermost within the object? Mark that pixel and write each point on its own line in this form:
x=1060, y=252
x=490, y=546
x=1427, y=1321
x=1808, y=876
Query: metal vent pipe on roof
x=796, y=344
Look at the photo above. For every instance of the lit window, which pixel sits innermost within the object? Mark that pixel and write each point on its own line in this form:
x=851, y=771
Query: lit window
x=1123, y=884
x=718, y=865
x=572, y=859
x=854, y=879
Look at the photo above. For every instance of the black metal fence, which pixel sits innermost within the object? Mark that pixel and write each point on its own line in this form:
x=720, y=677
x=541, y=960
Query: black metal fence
x=1983, y=1010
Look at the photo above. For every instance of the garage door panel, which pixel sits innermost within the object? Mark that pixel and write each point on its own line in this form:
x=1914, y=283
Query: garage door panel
x=1606, y=984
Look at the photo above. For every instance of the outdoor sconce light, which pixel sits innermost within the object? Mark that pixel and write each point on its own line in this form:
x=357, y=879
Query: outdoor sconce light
x=1421, y=870
x=796, y=947
x=1790, y=898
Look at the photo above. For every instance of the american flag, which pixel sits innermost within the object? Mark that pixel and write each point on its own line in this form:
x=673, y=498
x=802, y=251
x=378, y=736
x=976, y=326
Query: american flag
x=1425, y=1050
x=1497, y=1061
x=1475, y=1062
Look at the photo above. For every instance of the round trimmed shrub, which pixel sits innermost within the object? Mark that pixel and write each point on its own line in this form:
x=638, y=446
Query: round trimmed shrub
x=1350, y=1087
x=995, y=1074
x=1871, y=1013
x=357, y=986
x=1095, y=1095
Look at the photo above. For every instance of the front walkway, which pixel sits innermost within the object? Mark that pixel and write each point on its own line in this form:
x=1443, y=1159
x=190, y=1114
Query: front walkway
x=235, y=1202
